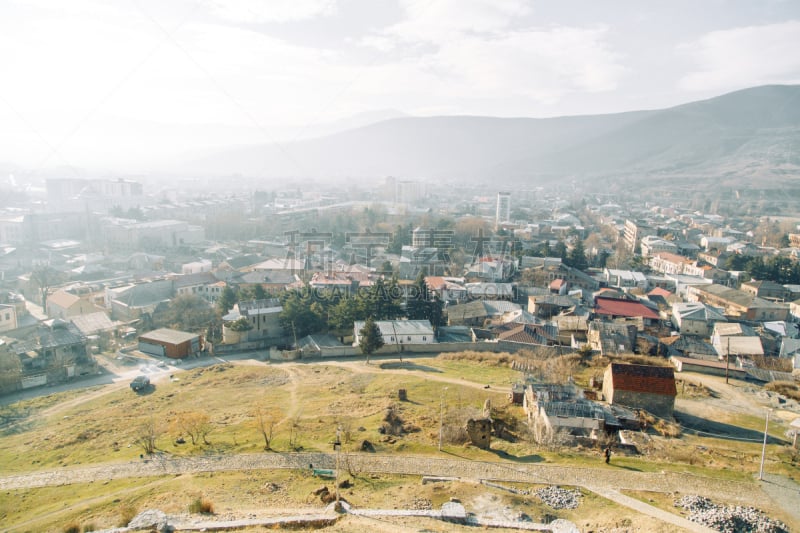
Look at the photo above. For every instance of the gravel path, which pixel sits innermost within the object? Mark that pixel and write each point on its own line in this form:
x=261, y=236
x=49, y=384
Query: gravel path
x=605, y=481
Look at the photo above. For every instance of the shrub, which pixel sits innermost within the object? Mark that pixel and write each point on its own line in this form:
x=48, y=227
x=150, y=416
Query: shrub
x=667, y=429
x=90, y=527
x=126, y=513
x=240, y=324
x=201, y=505
x=72, y=527
x=786, y=388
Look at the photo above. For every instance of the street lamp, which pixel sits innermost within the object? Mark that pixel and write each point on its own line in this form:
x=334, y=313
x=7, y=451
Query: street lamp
x=441, y=417
x=764, y=447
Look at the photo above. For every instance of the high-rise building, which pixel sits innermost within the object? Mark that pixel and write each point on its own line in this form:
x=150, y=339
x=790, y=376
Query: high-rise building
x=503, y=213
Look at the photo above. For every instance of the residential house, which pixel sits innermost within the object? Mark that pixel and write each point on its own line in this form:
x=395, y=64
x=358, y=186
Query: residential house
x=55, y=352
x=550, y=305
x=96, y=327
x=8, y=317
x=496, y=269
x=534, y=334
x=709, y=242
x=769, y=290
x=625, y=279
x=696, y=318
x=687, y=346
x=669, y=263
x=652, y=245
x=647, y=387
x=712, y=368
x=314, y=345
x=714, y=258
x=414, y=260
x=611, y=337
x=610, y=308
x=736, y=339
x=572, y=330
x=195, y=267
x=478, y=312
x=399, y=332
x=446, y=289
x=202, y=284
x=490, y=291
x=559, y=286
x=62, y=304
x=263, y=316
x=135, y=300
x=272, y=281
x=738, y=304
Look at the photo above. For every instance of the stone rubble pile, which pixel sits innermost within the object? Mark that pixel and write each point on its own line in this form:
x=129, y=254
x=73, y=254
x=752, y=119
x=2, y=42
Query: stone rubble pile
x=559, y=498
x=422, y=504
x=729, y=519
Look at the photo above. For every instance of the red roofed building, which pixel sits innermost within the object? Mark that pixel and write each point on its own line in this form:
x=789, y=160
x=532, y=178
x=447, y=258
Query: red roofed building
x=659, y=291
x=615, y=308
x=558, y=286
x=647, y=387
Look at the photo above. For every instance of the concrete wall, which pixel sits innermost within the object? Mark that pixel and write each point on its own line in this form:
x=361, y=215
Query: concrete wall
x=440, y=347
x=659, y=404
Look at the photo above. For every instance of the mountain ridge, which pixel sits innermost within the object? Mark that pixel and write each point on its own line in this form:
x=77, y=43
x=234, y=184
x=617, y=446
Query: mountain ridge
x=755, y=129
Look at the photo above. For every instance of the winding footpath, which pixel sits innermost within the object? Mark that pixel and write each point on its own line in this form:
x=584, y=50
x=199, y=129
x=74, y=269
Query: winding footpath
x=607, y=482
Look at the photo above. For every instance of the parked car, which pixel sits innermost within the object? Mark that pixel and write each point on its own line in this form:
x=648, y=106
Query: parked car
x=140, y=382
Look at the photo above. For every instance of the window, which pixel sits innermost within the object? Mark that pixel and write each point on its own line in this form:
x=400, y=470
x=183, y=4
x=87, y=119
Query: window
x=409, y=337
x=391, y=339
x=424, y=338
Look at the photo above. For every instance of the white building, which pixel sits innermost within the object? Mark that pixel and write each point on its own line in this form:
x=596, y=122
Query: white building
x=653, y=245
x=625, y=279
x=503, y=213
x=399, y=332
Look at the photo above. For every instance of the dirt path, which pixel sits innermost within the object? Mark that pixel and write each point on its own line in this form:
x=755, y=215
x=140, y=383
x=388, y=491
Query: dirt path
x=607, y=481
x=83, y=505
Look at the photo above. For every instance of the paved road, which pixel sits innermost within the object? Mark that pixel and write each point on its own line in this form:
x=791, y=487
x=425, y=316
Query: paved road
x=606, y=481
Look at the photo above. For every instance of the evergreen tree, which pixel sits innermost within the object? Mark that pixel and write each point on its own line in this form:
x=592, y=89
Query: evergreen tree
x=577, y=256
x=417, y=307
x=226, y=300
x=371, y=338
x=259, y=293
x=560, y=250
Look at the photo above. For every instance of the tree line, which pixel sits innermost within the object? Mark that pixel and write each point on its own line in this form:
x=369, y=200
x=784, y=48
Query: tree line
x=313, y=311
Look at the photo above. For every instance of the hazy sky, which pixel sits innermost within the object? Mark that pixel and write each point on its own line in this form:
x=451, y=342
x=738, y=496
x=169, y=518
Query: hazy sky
x=109, y=82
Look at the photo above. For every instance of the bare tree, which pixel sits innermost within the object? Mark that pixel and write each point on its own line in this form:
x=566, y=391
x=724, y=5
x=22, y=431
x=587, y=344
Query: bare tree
x=294, y=432
x=44, y=277
x=196, y=424
x=346, y=423
x=146, y=436
x=264, y=421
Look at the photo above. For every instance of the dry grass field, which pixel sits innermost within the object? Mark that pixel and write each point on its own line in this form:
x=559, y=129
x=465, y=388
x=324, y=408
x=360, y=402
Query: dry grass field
x=301, y=405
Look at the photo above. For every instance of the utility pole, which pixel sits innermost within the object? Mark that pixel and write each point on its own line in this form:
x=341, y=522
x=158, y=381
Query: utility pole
x=441, y=417
x=764, y=447
x=727, y=360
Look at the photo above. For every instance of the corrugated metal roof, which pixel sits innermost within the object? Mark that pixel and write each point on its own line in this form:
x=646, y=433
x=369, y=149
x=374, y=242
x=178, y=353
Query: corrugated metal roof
x=644, y=378
x=612, y=307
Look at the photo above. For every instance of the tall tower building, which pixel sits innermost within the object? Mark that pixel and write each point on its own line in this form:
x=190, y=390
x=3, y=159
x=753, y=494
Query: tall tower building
x=503, y=213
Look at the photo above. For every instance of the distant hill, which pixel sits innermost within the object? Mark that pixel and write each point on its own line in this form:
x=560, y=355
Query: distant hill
x=753, y=132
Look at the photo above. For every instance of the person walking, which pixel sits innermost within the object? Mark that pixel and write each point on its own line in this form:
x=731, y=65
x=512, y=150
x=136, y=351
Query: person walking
x=607, y=454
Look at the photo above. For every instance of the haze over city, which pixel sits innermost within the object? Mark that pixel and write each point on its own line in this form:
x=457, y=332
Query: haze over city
x=143, y=86
x=389, y=265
